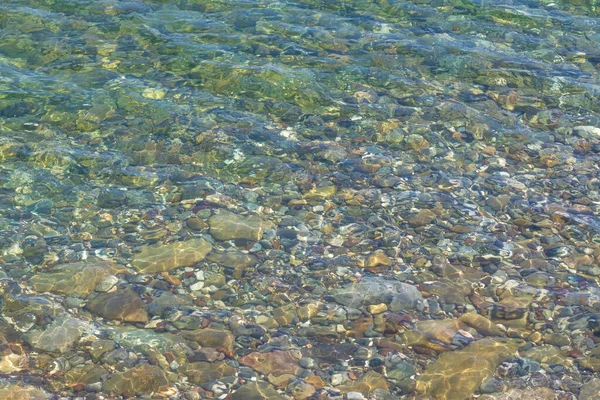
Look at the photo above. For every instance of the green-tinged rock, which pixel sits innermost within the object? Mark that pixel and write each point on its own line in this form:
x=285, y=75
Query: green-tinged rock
x=149, y=342
x=25, y=309
x=58, y=337
x=275, y=362
x=18, y=392
x=403, y=376
x=481, y=324
x=256, y=391
x=165, y=257
x=10, y=151
x=436, y=335
x=376, y=290
x=423, y=217
x=144, y=379
x=83, y=375
x=416, y=142
x=226, y=226
x=202, y=372
x=217, y=280
x=210, y=337
x=168, y=301
x=457, y=375
x=99, y=347
x=547, y=354
x=79, y=278
x=234, y=259
x=591, y=363
x=140, y=339
x=590, y=390
x=11, y=362
x=366, y=384
x=539, y=393
x=321, y=193
x=123, y=305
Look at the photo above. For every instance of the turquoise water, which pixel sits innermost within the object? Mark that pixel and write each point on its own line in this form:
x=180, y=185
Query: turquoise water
x=308, y=200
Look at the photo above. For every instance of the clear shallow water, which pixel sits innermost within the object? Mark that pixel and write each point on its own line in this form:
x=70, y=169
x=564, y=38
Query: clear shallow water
x=301, y=199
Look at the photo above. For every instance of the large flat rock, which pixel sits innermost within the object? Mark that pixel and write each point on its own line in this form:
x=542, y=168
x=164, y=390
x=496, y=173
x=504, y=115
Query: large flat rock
x=144, y=379
x=210, y=337
x=160, y=257
x=375, y=290
x=276, y=362
x=58, y=337
x=78, y=278
x=458, y=374
x=122, y=304
x=227, y=226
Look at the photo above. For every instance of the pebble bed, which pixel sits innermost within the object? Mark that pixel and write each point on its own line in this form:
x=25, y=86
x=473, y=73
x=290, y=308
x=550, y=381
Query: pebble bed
x=310, y=200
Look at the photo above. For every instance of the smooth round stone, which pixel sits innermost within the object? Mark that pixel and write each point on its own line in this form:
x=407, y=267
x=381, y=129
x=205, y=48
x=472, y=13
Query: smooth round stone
x=382, y=394
x=107, y=283
x=378, y=290
x=111, y=198
x=337, y=379
x=301, y=391
x=377, y=259
x=93, y=387
x=416, y=142
x=355, y=396
x=196, y=224
x=400, y=371
x=491, y=385
x=287, y=234
x=394, y=136
x=422, y=218
x=306, y=362
x=74, y=302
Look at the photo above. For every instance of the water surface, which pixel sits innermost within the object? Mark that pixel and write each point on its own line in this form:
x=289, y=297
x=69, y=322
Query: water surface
x=308, y=200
